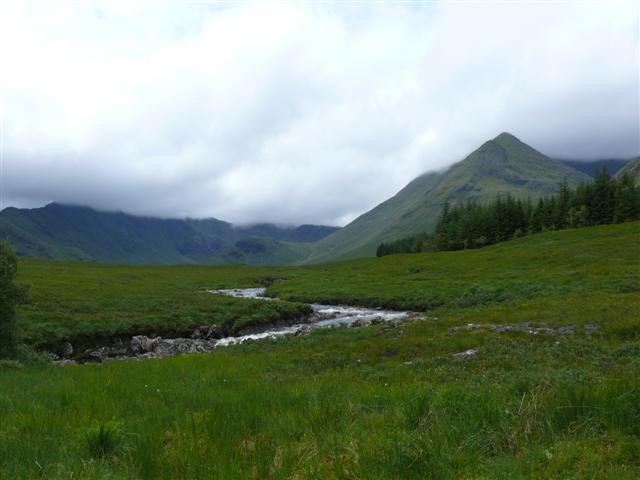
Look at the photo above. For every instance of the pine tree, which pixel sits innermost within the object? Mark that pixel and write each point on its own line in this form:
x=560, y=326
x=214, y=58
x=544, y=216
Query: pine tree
x=627, y=199
x=442, y=231
x=602, y=199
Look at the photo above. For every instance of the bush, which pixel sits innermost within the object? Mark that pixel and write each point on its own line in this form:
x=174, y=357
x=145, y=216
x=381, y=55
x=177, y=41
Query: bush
x=10, y=295
x=104, y=439
x=10, y=365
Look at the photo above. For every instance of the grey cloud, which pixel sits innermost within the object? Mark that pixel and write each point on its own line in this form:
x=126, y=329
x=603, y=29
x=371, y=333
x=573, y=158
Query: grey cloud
x=294, y=113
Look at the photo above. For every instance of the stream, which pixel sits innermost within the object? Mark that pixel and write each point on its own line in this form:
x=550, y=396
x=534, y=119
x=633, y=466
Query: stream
x=206, y=338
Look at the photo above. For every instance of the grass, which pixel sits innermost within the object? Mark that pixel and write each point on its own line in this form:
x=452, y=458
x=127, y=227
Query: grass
x=88, y=303
x=375, y=402
x=585, y=261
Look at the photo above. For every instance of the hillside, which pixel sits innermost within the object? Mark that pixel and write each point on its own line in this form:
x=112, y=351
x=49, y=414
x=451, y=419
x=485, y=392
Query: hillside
x=500, y=166
x=632, y=168
x=80, y=233
x=612, y=165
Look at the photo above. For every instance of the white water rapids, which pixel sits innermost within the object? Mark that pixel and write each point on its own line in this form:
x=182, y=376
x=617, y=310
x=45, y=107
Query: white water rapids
x=323, y=316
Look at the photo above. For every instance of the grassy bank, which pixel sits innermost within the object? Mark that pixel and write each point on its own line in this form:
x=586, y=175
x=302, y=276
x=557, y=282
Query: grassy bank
x=358, y=403
x=86, y=303
x=587, y=260
x=374, y=402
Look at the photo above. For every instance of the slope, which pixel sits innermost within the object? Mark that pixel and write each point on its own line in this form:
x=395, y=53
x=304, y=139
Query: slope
x=504, y=165
x=612, y=165
x=80, y=233
x=632, y=168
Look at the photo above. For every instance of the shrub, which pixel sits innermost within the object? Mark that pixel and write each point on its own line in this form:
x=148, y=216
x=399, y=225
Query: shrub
x=10, y=295
x=104, y=439
x=10, y=365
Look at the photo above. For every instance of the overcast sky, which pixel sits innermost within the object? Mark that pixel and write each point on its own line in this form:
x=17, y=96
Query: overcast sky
x=297, y=112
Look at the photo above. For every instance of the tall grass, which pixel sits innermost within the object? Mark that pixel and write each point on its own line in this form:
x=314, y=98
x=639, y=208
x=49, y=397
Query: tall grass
x=375, y=402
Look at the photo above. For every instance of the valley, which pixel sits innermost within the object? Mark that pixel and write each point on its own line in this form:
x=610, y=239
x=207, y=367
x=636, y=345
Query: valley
x=319, y=240
x=499, y=167
x=522, y=362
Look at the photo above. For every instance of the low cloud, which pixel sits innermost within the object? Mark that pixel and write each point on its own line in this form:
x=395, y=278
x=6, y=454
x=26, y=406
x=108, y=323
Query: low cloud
x=297, y=113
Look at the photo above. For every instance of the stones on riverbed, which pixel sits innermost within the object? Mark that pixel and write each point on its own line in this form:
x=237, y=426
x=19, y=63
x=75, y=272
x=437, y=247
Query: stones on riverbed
x=302, y=330
x=524, y=327
x=145, y=347
x=142, y=344
x=205, y=339
x=66, y=350
x=101, y=354
x=208, y=337
x=175, y=346
x=65, y=361
x=255, y=293
x=208, y=332
x=63, y=351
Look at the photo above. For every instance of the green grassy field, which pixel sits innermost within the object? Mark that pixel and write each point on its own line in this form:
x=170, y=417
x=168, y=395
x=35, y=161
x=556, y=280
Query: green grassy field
x=87, y=303
x=374, y=402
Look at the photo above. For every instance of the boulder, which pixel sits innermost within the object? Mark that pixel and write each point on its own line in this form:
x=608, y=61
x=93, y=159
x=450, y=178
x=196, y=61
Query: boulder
x=100, y=354
x=143, y=344
x=208, y=332
x=175, y=346
x=66, y=350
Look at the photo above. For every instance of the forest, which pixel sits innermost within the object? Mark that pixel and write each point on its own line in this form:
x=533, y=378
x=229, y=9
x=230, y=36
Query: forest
x=606, y=200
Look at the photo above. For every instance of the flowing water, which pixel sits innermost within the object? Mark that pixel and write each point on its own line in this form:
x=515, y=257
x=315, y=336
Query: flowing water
x=323, y=316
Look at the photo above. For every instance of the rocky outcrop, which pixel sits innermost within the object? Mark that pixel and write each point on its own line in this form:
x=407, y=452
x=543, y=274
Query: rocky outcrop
x=466, y=354
x=208, y=332
x=525, y=327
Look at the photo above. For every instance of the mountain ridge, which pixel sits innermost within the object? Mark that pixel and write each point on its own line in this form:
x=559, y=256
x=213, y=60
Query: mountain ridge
x=500, y=166
x=69, y=232
x=503, y=165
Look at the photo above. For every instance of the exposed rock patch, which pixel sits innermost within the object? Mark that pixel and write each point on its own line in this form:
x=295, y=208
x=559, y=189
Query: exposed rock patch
x=525, y=327
x=466, y=354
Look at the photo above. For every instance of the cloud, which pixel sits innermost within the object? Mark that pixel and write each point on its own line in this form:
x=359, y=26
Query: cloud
x=297, y=113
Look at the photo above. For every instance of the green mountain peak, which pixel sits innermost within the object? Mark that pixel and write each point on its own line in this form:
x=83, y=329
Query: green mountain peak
x=503, y=165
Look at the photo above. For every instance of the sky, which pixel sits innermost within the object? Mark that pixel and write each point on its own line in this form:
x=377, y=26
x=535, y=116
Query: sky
x=292, y=113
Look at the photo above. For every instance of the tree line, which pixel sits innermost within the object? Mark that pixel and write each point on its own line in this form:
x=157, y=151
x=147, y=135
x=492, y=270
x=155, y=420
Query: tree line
x=470, y=225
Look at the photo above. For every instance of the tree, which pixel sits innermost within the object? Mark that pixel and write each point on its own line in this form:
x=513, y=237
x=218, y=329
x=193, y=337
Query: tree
x=442, y=231
x=10, y=295
x=627, y=199
x=602, y=200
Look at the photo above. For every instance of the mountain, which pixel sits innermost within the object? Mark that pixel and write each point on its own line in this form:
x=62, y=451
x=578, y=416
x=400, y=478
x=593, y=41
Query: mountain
x=81, y=233
x=501, y=166
x=302, y=233
x=613, y=165
x=632, y=168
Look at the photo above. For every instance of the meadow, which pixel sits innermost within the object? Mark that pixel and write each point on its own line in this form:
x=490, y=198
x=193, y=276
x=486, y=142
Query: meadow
x=89, y=303
x=382, y=401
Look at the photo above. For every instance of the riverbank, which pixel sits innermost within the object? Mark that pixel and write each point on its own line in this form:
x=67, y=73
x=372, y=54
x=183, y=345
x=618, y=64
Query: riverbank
x=207, y=338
